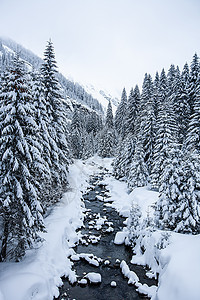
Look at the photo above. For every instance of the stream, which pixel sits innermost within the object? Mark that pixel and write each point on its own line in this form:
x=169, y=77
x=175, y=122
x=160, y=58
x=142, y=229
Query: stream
x=101, y=224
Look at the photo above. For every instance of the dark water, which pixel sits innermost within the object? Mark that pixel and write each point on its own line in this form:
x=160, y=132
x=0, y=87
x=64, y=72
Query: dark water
x=106, y=250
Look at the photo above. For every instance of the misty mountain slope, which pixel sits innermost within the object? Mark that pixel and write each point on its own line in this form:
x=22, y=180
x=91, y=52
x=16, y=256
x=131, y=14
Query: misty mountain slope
x=94, y=98
x=102, y=95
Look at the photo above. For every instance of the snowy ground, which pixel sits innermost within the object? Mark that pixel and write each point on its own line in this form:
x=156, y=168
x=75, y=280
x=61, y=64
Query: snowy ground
x=37, y=277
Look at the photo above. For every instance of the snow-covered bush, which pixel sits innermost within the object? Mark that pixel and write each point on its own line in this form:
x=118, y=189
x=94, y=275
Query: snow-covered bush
x=133, y=224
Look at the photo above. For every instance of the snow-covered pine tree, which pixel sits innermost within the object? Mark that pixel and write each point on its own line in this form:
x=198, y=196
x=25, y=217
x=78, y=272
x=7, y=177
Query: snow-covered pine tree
x=120, y=115
x=178, y=208
x=170, y=191
x=156, y=84
x=147, y=121
x=20, y=164
x=106, y=143
x=181, y=103
x=171, y=76
x=194, y=74
x=132, y=111
x=188, y=208
x=93, y=122
x=134, y=223
x=122, y=161
x=41, y=118
x=56, y=124
x=88, y=144
x=76, y=144
x=126, y=146
x=192, y=142
x=166, y=132
x=137, y=97
x=107, y=137
x=109, y=116
x=138, y=173
x=76, y=135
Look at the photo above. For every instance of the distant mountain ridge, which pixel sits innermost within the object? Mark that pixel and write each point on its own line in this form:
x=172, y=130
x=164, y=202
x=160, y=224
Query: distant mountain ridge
x=103, y=96
x=96, y=100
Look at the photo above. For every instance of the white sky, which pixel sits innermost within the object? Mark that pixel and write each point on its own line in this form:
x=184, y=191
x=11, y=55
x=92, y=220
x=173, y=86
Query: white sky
x=108, y=43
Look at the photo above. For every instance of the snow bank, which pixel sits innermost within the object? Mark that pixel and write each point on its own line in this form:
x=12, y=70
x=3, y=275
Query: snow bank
x=122, y=199
x=180, y=279
x=38, y=275
x=145, y=199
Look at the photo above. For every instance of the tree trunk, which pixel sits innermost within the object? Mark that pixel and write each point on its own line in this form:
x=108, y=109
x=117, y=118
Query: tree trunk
x=4, y=243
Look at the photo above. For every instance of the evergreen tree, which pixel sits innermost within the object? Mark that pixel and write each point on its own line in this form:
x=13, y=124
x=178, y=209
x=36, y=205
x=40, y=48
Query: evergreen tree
x=56, y=129
x=134, y=224
x=76, y=138
x=147, y=121
x=132, y=110
x=181, y=103
x=138, y=173
x=156, y=84
x=188, y=210
x=106, y=142
x=92, y=123
x=171, y=76
x=120, y=115
x=178, y=208
x=107, y=138
x=75, y=124
x=163, y=90
x=137, y=98
x=194, y=74
x=109, y=116
x=89, y=145
x=193, y=135
x=170, y=191
x=20, y=166
x=166, y=132
x=41, y=118
x=76, y=144
x=122, y=162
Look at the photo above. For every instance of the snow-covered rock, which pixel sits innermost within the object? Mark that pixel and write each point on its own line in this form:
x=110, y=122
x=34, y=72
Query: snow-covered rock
x=113, y=284
x=110, y=229
x=83, y=281
x=75, y=257
x=150, y=291
x=120, y=237
x=93, y=277
x=90, y=258
x=125, y=268
x=133, y=278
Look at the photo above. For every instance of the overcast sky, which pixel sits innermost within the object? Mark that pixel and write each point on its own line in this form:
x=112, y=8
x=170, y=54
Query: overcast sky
x=108, y=43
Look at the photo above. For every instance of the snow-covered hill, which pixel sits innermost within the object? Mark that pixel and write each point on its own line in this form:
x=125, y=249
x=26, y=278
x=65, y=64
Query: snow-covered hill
x=88, y=95
x=102, y=95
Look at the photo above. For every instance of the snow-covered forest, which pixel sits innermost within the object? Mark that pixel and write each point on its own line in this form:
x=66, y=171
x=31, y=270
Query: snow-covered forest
x=158, y=131
x=51, y=129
